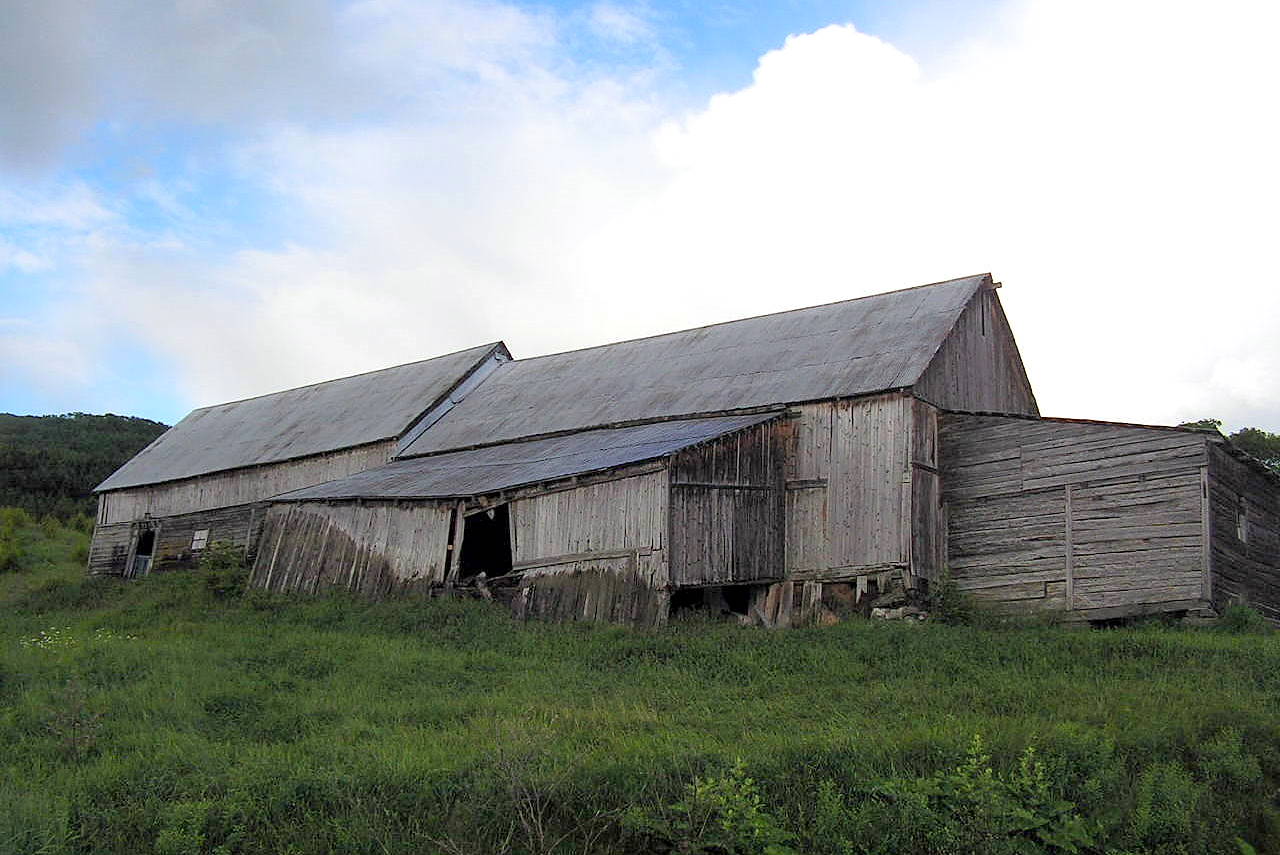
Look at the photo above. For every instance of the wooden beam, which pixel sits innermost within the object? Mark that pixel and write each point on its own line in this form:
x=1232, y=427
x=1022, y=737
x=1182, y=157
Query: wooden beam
x=1071, y=554
x=1206, y=542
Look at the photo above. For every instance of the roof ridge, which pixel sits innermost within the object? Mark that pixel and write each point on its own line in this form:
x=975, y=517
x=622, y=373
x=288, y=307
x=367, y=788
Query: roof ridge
x=487, y=347
x=978, y=276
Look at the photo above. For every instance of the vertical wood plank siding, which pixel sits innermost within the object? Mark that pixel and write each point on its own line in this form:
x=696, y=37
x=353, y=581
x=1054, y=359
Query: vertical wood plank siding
x=238, y=486
x=978, y=367
x=600, y=551
x=848, y=481
x=870, y=476
x=727, y=513
x=1134, y=498
x=1245, y=570
x=928, y=527
x=373, y=549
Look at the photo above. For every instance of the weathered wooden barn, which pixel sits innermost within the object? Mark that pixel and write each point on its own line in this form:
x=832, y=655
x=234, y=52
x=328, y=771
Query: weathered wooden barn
x=205, y=479
x=782, y=467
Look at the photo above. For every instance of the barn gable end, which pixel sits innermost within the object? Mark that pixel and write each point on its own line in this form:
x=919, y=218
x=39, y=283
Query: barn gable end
x=978, y=367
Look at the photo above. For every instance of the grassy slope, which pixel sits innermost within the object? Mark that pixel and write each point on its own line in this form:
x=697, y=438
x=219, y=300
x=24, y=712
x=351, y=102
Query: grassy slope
x=178, y=721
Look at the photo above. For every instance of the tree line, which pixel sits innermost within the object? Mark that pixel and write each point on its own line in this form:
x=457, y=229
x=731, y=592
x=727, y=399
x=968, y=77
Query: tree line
x=49, y=465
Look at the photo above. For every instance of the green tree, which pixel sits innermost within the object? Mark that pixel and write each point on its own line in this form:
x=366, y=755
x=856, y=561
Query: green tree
x=1256, y=442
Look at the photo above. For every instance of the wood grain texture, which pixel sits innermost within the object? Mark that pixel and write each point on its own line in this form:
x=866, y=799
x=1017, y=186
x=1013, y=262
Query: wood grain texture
x=372, y=549
x=727, y=509
x=1110, y=516
x=978, y=367
x=1243, y=570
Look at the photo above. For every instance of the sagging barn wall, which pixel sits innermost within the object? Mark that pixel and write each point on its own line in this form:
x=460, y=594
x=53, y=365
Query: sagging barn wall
x=596, y=552
x=1244, y=520
x=978, y=367
x=372, y=548
x=178, y=541
x=1096, y=519
x=237, y=486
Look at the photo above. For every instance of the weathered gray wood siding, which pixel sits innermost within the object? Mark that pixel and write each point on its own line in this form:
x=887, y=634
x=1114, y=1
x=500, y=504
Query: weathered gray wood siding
x=372, y=548
x=238, y=486
x=111, y=549
x=726, y=519
x=594, y=552
x=928, y=552
x=978, y=368
x=1103, y=520
x=848, y=487
x=1244, y=520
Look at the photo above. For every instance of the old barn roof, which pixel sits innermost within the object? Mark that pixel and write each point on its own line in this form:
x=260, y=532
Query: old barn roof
x=500, y=467
x=855, y=347
x=295, y=423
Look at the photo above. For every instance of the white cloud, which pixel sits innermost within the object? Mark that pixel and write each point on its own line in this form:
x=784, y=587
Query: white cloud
x=1113, y=164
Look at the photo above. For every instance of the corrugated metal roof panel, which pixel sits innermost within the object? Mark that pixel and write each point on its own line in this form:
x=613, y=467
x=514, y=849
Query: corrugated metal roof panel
x=500, y=467
x=855, y=347
x=299, y=422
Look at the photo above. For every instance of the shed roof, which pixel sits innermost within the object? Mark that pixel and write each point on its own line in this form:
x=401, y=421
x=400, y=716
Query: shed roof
x=313, y=419
x=855, y=347
x=478, y=471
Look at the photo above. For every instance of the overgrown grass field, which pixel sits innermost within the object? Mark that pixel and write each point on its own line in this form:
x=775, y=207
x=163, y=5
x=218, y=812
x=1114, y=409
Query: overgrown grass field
x=177, y=715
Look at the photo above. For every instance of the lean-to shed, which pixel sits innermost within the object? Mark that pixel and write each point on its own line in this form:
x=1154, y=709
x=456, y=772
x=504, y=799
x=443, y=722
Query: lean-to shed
x=203, y=480
x=604, y=524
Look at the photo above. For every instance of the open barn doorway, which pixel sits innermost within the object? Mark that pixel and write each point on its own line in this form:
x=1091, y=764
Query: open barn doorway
x=143, y=550
x=486, y=544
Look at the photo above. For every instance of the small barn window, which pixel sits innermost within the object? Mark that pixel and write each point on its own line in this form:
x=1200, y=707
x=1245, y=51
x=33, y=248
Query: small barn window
x=1242, y=520
x=199, y=540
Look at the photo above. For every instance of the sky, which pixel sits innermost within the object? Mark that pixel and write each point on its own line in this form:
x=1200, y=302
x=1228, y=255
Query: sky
x=206, y=200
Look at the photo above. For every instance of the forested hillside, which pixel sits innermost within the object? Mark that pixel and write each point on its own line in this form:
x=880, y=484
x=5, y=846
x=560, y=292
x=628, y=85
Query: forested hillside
x=50, y=464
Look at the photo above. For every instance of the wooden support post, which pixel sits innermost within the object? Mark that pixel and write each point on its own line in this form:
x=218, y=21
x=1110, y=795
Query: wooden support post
x=1071, y=557
x=1206, y=542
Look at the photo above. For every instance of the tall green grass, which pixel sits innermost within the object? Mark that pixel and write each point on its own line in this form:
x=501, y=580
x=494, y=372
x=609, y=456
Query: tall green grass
x=167, y=716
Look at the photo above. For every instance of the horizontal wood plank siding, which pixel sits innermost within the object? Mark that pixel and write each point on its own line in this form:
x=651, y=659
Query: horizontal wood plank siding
x=727, y=511
x=978, y=367
x=1244, y=570
x=238, y=486
x=112, y=545
x=1133, y=539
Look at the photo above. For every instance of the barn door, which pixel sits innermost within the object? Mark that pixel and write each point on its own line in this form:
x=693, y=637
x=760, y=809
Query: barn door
x=142, y=551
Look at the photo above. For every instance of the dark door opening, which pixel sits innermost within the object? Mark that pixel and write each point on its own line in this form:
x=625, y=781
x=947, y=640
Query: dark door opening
x=486, y=544
x=142, y=552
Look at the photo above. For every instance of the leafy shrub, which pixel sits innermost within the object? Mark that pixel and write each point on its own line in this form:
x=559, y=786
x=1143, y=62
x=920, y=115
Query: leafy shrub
x=226, y=571
x=971, y=808
x=1164, y=813
x=718, y=814
x=1241, y=619
x=950, y=605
